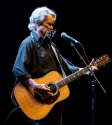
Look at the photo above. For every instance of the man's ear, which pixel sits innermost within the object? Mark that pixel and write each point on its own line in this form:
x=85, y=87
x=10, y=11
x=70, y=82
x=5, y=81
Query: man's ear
x=38, y=23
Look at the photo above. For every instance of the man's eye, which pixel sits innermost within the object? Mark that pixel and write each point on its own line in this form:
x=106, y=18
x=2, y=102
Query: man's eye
x=50, y=24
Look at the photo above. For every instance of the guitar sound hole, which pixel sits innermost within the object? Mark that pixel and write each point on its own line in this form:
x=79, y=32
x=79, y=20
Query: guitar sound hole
x=52, y=87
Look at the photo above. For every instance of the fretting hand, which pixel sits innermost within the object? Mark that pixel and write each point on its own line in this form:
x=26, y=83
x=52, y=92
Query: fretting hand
x=93, y=68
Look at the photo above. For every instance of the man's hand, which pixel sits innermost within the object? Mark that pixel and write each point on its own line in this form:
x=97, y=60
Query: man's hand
x=93, y=68
x=43, y=91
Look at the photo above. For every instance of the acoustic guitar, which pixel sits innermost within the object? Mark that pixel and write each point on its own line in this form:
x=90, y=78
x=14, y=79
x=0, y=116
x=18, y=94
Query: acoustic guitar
x=31, y=102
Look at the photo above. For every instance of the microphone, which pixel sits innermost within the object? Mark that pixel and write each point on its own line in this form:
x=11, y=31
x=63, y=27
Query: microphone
x=64, y=35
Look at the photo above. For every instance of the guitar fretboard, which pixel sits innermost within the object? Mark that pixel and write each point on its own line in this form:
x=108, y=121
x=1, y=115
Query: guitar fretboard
x=72, y=77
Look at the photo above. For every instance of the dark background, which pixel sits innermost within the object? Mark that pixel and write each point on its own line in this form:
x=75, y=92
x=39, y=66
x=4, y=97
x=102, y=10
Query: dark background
x=88, y=21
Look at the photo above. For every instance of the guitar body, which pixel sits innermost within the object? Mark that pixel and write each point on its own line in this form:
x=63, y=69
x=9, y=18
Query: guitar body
x=31, y=106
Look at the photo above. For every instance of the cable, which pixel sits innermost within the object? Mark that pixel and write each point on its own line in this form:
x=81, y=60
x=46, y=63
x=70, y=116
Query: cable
x=9, y=114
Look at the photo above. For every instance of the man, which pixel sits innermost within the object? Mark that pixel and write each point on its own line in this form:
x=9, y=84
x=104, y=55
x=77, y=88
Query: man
x=38, y=55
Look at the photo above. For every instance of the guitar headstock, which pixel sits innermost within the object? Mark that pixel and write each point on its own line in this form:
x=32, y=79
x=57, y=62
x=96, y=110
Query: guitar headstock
x=102, y=60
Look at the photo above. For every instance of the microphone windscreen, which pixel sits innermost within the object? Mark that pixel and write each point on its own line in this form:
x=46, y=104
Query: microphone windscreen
x=63, y=35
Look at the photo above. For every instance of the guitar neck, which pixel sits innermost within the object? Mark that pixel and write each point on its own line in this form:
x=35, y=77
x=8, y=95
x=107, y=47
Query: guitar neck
x=72, y=77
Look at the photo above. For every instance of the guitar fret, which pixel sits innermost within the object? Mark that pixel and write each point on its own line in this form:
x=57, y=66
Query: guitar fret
x=71, y=77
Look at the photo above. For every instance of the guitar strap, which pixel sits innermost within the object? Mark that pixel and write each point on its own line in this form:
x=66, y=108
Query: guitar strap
x=63, y=73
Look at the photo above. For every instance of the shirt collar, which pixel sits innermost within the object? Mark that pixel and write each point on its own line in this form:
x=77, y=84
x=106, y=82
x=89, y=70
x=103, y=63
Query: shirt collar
x=36, y=36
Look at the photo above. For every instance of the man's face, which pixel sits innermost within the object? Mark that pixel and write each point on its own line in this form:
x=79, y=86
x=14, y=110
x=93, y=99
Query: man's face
x=46, y=26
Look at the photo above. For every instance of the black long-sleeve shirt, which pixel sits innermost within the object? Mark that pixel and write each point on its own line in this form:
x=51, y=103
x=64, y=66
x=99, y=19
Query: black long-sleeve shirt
x=35, y=58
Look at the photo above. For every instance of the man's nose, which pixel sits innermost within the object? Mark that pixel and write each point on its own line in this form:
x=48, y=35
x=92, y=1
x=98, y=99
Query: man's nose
x=51, y=27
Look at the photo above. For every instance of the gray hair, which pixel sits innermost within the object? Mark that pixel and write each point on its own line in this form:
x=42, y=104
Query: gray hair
x=39, y=15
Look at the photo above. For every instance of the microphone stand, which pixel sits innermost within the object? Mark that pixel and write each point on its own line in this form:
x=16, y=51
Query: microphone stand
x=93, y=82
